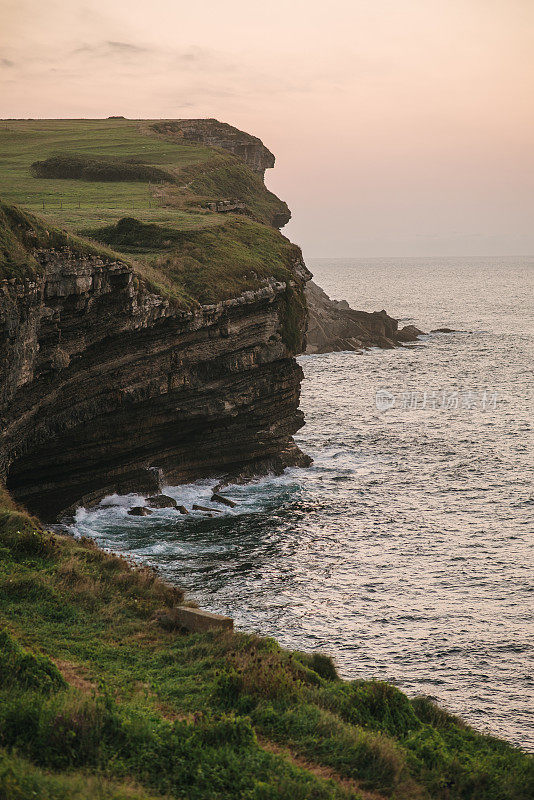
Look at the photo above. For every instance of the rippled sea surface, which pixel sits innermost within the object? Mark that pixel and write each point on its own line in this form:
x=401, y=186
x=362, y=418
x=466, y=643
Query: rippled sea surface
x=406, y=549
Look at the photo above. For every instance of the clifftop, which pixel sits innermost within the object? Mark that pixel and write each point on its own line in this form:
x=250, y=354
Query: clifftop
x=213, y=133
x=80, y=174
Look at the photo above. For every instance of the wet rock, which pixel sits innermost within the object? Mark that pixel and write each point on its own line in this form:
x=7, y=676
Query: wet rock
x=161, y=501
x=444, y=330
x=219, y=498
x=182, y=509
x=409, y=334
x=196, y=507
x=139, y=511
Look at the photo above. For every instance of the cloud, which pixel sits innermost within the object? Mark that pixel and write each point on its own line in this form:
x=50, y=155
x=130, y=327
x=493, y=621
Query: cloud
x=111, y=48
x=126, y=47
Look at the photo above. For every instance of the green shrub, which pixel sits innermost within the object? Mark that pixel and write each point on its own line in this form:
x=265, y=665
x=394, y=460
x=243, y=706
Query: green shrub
x=21, y=536
x=372, y=704
x=132, y=235
x=22, y=780
x=431, y=714
x=92, y=168
x=26, y=670
x=367, y=756
x=456, y=762
x=320, y=663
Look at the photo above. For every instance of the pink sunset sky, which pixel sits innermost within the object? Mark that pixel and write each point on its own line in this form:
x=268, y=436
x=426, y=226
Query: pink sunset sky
x=401, y=127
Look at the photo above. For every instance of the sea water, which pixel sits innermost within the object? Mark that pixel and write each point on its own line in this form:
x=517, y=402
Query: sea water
x=405, y=550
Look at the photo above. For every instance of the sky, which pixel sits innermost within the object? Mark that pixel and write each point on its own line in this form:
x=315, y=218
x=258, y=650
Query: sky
x=400, y=127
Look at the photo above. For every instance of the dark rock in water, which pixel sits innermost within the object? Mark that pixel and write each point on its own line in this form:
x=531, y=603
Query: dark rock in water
x=219, y=498
x=444, y=330
x=139, y=511
x=196, y=507
x=161, y=501
x=334, y=326
x=182, y=509
x=273, y=465
x=409, y=334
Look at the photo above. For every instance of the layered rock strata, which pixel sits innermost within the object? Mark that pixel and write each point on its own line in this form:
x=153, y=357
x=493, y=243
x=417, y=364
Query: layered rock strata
x=101, y=379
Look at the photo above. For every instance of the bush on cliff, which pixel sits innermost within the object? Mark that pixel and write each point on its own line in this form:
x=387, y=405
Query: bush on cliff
x=98, y=168
x=25, y=670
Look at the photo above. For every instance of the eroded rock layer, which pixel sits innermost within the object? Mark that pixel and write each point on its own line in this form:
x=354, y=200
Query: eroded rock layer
x=101, y=379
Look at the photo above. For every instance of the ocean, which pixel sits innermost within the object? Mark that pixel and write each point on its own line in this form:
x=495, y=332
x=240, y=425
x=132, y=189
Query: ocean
x=405, y=550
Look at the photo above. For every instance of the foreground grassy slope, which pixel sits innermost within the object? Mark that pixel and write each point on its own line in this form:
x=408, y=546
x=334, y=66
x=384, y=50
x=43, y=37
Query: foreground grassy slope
x=99, y=700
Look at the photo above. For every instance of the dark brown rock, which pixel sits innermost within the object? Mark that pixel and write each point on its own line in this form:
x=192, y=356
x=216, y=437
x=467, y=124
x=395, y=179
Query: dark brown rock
x=140, y=385
x=196, y=507
x=334, y=326
x=193, y=619
x=409, y=334
x=182, y=509
x=219, y=498
x=139, y=511
x=161, y=501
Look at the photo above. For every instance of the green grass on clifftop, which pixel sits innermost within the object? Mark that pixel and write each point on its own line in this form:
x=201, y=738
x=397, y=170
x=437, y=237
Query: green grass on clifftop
x=21, y=233
x=210, y=264
x=85, y=177
x=107, y=168
x=97, y=700
x=191, y=266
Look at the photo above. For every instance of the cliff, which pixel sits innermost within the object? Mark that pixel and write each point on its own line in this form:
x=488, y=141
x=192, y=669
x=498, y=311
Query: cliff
x=174, y=350
x=334, y=326
x=173, y=353
x=102, y=378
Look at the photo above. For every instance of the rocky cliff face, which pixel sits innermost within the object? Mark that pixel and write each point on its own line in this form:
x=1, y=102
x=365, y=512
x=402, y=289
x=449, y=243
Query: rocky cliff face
x=101, y=379
x=334, y=326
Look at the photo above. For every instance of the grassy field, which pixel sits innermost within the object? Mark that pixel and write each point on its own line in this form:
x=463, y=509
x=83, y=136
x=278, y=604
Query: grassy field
x=200, y=175
x=182, y=248
x=97, y=699
x=24, y=142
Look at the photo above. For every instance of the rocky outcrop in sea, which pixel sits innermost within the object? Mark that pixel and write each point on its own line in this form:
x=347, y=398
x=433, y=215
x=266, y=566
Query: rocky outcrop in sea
x=334, y=326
